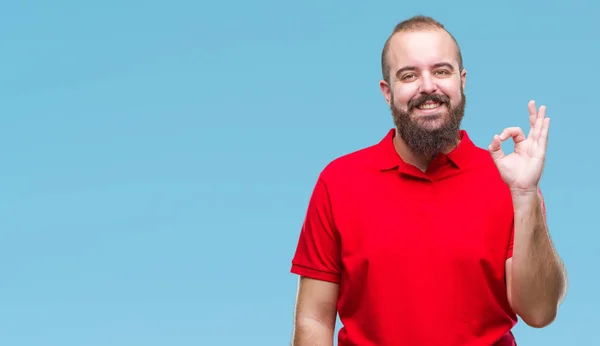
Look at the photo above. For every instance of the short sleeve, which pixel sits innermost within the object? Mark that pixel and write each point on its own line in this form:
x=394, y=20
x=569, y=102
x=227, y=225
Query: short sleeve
x=512, y=232
x=317, y=254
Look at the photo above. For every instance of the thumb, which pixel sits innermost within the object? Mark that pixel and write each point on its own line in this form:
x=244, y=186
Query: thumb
x=495, y=148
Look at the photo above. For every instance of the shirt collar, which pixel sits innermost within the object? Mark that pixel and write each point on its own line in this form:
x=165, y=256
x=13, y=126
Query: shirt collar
x=388, y=157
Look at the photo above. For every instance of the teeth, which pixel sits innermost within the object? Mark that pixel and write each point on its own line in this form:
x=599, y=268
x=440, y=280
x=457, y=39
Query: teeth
x=429, y=106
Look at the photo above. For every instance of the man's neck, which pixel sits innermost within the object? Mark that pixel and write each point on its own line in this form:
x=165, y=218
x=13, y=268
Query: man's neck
x=419, y=161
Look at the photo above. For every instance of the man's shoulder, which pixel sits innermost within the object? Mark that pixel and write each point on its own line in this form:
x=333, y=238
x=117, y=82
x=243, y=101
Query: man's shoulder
x=485, y=160
x=351, y=163
x=480, y=155
x=482, y=168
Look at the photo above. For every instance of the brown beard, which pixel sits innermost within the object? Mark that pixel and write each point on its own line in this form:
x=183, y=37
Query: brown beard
x=422, y=140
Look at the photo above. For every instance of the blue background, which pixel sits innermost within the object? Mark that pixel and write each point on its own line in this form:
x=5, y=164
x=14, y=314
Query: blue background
x=157, y=157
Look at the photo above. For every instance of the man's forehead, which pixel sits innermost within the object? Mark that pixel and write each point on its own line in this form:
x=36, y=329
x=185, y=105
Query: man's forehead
x=424, y=47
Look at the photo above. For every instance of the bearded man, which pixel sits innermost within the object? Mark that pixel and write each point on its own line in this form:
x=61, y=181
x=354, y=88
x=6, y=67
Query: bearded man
x=424, y=238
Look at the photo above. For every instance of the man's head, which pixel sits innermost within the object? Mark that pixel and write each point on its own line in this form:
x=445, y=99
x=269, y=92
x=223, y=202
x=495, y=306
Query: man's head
x=423, y=83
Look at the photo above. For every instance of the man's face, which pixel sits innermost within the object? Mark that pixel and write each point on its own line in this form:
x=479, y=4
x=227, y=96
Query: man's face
x=425, y=92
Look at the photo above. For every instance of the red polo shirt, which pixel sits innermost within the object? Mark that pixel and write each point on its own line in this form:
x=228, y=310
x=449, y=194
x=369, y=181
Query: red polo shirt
x=419, y=257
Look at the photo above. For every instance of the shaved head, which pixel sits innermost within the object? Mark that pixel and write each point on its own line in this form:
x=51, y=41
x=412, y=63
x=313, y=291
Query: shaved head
x=423, y=83
x=416, y=23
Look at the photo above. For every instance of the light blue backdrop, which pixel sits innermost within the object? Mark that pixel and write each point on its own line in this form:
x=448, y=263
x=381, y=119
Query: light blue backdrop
x=157, y=157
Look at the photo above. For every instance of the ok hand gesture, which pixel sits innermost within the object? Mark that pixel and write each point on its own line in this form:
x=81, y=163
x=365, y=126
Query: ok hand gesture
x=522, y=169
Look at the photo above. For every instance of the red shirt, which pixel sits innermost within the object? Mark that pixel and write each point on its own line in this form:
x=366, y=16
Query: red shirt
x=419, y=257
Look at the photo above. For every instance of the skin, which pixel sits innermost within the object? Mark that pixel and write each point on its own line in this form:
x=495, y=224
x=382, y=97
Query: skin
x=315, y=313
x=427, y=62
x=536, y=277
x=422, y=62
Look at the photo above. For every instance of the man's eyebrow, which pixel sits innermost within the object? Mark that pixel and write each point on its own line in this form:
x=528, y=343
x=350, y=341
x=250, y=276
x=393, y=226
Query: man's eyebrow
x=444, y=64
x=412, y=68
x=403, y=69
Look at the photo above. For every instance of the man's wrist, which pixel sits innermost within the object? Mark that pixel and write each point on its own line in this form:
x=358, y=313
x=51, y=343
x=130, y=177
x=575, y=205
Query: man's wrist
x=525, y=198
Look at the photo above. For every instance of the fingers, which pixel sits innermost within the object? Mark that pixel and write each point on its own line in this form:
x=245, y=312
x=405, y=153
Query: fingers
x=495, y=148
x=538, y=133
x=515, y=132
x=543, y=137
x=532, y=112
x=536, y=130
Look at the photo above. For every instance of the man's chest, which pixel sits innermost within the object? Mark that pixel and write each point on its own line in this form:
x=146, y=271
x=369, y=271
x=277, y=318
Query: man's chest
x=431, y=226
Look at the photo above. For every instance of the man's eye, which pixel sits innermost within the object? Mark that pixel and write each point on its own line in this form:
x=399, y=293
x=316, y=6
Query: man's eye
x=408, y=76
x=442, y=72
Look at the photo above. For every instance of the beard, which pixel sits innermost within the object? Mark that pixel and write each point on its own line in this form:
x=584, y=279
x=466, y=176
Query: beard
x=421, y=137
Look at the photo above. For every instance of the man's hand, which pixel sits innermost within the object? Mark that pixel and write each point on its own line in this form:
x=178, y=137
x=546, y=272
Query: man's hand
x=522, y=169
x=535, y=275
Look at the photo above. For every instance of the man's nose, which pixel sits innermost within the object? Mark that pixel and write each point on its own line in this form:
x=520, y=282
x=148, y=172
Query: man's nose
x=428, y=84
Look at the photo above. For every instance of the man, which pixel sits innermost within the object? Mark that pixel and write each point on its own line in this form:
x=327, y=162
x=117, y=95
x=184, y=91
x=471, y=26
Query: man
x=424, y=238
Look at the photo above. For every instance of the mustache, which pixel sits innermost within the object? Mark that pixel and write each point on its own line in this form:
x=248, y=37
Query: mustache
x=443, y=99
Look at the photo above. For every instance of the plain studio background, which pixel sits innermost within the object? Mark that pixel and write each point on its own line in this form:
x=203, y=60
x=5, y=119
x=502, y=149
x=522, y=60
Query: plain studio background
x=157, y=157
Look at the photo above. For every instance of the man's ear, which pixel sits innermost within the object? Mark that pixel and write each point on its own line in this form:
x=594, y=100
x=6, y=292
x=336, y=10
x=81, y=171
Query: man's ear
x=386, y=91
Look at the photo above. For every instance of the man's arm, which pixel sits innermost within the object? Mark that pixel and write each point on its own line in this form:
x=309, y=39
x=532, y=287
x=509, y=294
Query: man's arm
x=315, y=313
x=536, y=277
